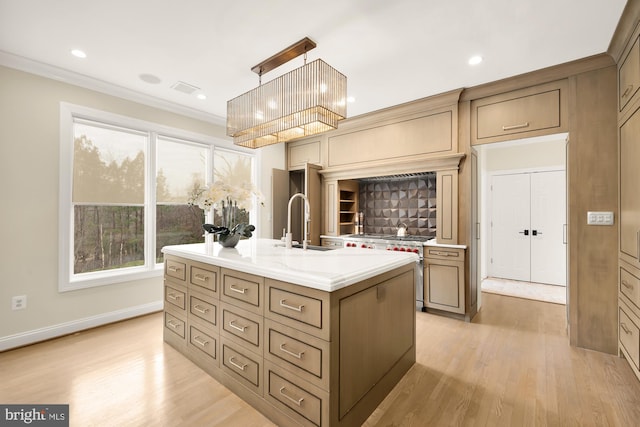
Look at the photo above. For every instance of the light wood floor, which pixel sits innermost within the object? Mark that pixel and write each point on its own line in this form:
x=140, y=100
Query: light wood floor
x=512, y=366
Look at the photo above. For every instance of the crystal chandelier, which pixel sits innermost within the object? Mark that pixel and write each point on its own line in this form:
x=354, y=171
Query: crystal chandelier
x=306, y=101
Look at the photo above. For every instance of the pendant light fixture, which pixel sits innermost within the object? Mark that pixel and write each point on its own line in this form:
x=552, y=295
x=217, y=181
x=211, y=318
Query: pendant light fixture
x=308, y=100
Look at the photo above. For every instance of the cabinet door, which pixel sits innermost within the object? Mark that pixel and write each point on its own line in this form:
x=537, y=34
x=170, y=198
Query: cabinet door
x=629, y=79
x=376, y=330
x=629, y=194
x=444, y=285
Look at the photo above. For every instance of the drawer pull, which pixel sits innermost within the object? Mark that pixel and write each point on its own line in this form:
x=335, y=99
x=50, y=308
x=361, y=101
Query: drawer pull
x=283, y=303
x=292, y=399
x=440, y=253
x=201, y=277
x=627, y=91
x=625, y=329
x=241, y=367
x=173, y=324
x=518, y=126
x=290, y=353
x=626, y=285
x=200, y=342
x=236, y=327
x=238, y=290
x=173, y=296
x=199, y=309
x=173, y=269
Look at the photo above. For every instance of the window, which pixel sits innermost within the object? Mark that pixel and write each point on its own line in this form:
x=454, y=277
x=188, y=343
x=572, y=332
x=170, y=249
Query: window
x=124, y=185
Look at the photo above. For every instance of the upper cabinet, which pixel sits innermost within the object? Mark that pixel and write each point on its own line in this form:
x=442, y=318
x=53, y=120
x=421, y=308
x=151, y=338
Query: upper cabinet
x=629, y=75
x=301, y=152
x=533, y=111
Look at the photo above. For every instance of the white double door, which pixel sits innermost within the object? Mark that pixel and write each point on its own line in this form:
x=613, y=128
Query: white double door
x=528, y=217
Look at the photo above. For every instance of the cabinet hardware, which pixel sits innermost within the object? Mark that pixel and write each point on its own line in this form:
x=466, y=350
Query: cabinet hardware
x=283, y=303
x=564, y=234
x=536, y=232
x=236, y=327
x=238, y=290
x=173, y=269
x=627, y=91
x=626, y=285
x=525, y=232
x=241, y=367
x=625, y=329
x=201, y=277
x=519, y=126
x=173, y=324
x=200, y=342
x=290, y=353
x=292, y=399
x=199, y=309
x=173, y=296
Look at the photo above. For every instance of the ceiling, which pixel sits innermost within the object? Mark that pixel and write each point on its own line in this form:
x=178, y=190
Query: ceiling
x=391, y=51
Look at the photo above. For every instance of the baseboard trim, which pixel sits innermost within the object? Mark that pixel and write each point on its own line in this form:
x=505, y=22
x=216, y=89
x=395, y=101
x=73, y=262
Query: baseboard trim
x=55, y=331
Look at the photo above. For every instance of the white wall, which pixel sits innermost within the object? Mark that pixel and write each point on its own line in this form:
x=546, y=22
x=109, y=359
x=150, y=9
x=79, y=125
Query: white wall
x=29, y=163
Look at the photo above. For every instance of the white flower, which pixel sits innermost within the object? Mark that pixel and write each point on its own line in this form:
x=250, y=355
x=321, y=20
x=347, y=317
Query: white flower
x=214, y=194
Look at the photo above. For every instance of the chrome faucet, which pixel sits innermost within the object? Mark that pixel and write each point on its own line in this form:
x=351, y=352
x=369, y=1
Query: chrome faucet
x=289, y=237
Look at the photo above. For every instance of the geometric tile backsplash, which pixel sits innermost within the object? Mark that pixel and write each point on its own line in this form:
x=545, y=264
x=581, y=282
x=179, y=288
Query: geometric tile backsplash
x=387, y=202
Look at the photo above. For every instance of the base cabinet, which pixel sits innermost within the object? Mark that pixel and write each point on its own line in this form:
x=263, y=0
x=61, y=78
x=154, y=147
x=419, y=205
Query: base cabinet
x=444, y=279
x=301, y=356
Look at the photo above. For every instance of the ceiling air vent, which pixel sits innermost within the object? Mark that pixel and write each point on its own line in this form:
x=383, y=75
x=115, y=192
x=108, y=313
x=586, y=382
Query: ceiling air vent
x=184, y=87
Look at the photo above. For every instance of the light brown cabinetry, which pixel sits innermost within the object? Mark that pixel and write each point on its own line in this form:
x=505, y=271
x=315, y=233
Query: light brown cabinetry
x=629, y=75
x=629, y=194
x=348, y=202
x=304, y=151
x=191, y=310
x=299, y=355
x=629, y=208
x=444, y=279
x=534, y=111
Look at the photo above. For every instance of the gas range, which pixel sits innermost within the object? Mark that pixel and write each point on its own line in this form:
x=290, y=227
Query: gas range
x=387, y=242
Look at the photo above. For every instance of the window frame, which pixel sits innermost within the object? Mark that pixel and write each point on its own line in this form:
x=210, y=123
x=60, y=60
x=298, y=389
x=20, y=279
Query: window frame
x=67, y=279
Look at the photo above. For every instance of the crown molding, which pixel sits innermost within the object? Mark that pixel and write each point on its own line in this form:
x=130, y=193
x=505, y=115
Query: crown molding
x=59, y=74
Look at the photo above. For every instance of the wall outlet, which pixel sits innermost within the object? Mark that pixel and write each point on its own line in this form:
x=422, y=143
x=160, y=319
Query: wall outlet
x=19, y=302
x=600, y=218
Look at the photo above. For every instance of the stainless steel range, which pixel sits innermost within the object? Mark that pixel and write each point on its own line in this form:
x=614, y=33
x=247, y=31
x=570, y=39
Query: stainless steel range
x=390, y=242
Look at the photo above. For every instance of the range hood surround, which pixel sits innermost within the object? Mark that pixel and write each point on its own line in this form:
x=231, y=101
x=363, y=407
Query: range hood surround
x=400, y=166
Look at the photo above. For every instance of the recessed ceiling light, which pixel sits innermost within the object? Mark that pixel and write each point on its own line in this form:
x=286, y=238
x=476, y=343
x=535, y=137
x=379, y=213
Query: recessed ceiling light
x=150, y=78
x=201, y=96
x=475, y=60
x=78, y=53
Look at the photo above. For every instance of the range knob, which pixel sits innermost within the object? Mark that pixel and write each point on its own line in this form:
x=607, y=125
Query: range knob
x=395, y=248
x=364, y=245
x=416, y=251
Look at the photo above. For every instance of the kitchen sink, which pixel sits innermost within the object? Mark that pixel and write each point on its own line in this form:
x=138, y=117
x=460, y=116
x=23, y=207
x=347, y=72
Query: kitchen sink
x=313, y=247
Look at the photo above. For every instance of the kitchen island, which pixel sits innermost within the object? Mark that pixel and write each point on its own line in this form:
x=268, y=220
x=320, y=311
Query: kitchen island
x=306, y=337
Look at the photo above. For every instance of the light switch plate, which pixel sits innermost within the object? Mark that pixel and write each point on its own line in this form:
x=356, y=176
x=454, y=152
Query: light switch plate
x=600, y=218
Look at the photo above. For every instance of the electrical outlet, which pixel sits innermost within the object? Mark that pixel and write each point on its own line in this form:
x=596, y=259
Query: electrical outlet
x=19, y=302
x=599, y=218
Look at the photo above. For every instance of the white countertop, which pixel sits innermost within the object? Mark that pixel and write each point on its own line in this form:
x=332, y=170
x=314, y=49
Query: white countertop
x=431, y=242
x=324, y=270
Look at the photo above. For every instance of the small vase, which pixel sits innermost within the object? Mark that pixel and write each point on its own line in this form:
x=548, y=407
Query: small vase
x=229, y=240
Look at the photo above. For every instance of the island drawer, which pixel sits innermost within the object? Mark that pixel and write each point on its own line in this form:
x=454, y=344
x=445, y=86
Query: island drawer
x=242, y=326
x=175, y=296
x=242, y=365
x=298, y=399
x=302, y=354
x=175, y=268
x=302, y=308
x=202, y=341
x=174, y=324
x=204, y=278
x=629, y=334
x=243, y=290
x=630, y=285
x=203, y=308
